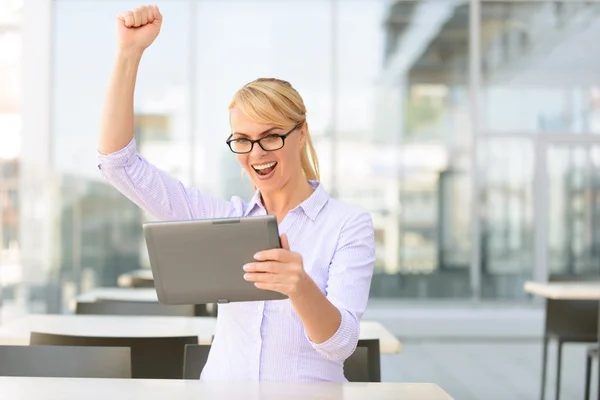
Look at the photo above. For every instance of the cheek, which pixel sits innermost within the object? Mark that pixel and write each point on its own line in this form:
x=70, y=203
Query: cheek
x=289, y=159
x=243, y=160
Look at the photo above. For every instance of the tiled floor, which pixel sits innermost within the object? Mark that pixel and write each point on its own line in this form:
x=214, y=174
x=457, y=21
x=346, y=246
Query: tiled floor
x=477, y=353
x=487, y=370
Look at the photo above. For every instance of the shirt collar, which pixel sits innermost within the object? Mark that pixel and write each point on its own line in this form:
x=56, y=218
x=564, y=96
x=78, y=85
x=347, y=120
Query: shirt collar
x=311, y=206
x=254, y=202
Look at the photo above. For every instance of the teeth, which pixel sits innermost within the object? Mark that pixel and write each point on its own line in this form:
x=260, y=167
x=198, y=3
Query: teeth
x=264, y=166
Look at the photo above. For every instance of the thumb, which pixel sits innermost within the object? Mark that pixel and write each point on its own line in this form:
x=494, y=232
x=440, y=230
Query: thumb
x=284, y=242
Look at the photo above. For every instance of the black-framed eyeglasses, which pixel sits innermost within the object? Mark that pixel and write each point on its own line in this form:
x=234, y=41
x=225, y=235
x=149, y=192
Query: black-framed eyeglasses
x=268, y=143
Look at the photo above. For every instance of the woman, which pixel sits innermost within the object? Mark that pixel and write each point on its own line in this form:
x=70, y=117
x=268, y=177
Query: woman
x=326, y=266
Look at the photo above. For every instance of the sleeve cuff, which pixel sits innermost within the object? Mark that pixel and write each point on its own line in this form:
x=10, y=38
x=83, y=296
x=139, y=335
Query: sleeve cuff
x=119, y=158
x=343, y=342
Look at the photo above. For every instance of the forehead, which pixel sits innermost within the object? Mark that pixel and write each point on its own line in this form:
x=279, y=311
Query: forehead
x=241, y=123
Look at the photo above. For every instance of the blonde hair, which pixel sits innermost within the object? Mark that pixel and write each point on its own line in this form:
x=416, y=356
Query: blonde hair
x=275, y=102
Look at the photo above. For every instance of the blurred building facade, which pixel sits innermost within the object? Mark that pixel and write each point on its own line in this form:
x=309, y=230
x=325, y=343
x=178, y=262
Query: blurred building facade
x=469, y=130
x=10, y=131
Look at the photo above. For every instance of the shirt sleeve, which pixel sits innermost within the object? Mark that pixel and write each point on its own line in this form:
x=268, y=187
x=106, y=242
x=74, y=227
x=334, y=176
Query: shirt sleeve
x=156, y=191
x=348, y=285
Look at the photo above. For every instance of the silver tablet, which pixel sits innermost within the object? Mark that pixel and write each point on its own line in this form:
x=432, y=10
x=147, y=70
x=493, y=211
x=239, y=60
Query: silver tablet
x=200, y=261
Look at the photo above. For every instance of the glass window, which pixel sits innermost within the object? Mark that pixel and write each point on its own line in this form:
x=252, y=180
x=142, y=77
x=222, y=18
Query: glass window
x=417, y=138
x=386, y=85
x=162, y=98
x=259, y=39
x=386, y=94
x=540, y=67
x=10, y=142
x=100, y=230
x=507, y=216
x=574, y=210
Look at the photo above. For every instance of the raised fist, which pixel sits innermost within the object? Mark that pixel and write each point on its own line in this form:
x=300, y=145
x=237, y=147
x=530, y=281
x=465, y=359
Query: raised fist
x=137, y=29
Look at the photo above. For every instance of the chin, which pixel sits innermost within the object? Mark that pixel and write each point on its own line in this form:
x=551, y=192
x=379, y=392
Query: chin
x=267, y=186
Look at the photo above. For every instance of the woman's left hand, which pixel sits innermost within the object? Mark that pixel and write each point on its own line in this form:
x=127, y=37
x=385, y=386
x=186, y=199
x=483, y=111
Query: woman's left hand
x=280, y=270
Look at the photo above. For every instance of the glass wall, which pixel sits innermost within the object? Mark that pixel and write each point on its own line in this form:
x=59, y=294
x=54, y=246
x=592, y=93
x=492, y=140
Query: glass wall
x=507, y=230
x=259, y=39
x=99, y=229
x=539, y=68
x=539, y=76
x=422, y=144
x=395, y=98
x=574, y=208
x=10, y=131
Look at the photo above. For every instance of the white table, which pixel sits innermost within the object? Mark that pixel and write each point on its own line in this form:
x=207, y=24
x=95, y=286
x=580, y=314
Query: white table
x=569, y=291
x=565, y=290
x=119, y=294
x=17, y=332
x=117, y=389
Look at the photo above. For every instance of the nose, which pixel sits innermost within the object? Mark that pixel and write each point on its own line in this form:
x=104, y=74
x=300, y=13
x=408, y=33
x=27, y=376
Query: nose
x=257, y=151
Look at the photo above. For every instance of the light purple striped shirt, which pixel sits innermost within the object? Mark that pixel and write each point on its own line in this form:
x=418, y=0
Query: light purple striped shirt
x=265, y=340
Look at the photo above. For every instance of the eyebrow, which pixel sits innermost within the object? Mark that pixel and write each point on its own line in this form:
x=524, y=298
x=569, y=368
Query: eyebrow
x=261, y=134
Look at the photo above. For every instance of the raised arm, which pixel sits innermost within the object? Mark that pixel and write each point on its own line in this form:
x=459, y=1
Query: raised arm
x=152, y=189
x=136, y=30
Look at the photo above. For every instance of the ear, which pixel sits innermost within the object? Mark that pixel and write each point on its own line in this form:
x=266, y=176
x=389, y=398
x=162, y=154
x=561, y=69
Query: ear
x=303, y=134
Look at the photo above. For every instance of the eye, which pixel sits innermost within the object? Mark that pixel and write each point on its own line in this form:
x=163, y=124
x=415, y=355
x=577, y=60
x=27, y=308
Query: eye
x=241, y=141
x=272, y=138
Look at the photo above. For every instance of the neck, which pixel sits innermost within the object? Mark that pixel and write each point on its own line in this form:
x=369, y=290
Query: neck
x=293, y=193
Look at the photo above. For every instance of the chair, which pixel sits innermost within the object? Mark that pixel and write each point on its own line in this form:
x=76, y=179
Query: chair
x=121, y=307
x=65, y=361
x=137, y=282
x=151, y=357
x=591, y=354
x=567, y=321
x=194, y=359
x=364, y=365
x=356, y=367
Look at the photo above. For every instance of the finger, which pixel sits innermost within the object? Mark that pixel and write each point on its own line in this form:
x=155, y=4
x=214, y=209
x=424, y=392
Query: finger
x=137, y=17
x=270, y=286
x=274, y=254
x=264, y=266
x=260, y=277
x=143, y=16
x=127, y=18
x=284, y=242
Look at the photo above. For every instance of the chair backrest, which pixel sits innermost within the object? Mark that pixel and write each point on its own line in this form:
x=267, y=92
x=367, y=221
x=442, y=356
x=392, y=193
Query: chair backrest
x=65, y=361
x=573, y=278
x=364, y=365
x=137, y=282
x=120, y=307
x=151, y=357
x=575, y=319
x=356, y=367
x=194, y=360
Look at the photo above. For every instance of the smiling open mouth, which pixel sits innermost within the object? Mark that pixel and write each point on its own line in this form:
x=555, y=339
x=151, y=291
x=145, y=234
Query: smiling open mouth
x=265, y=169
